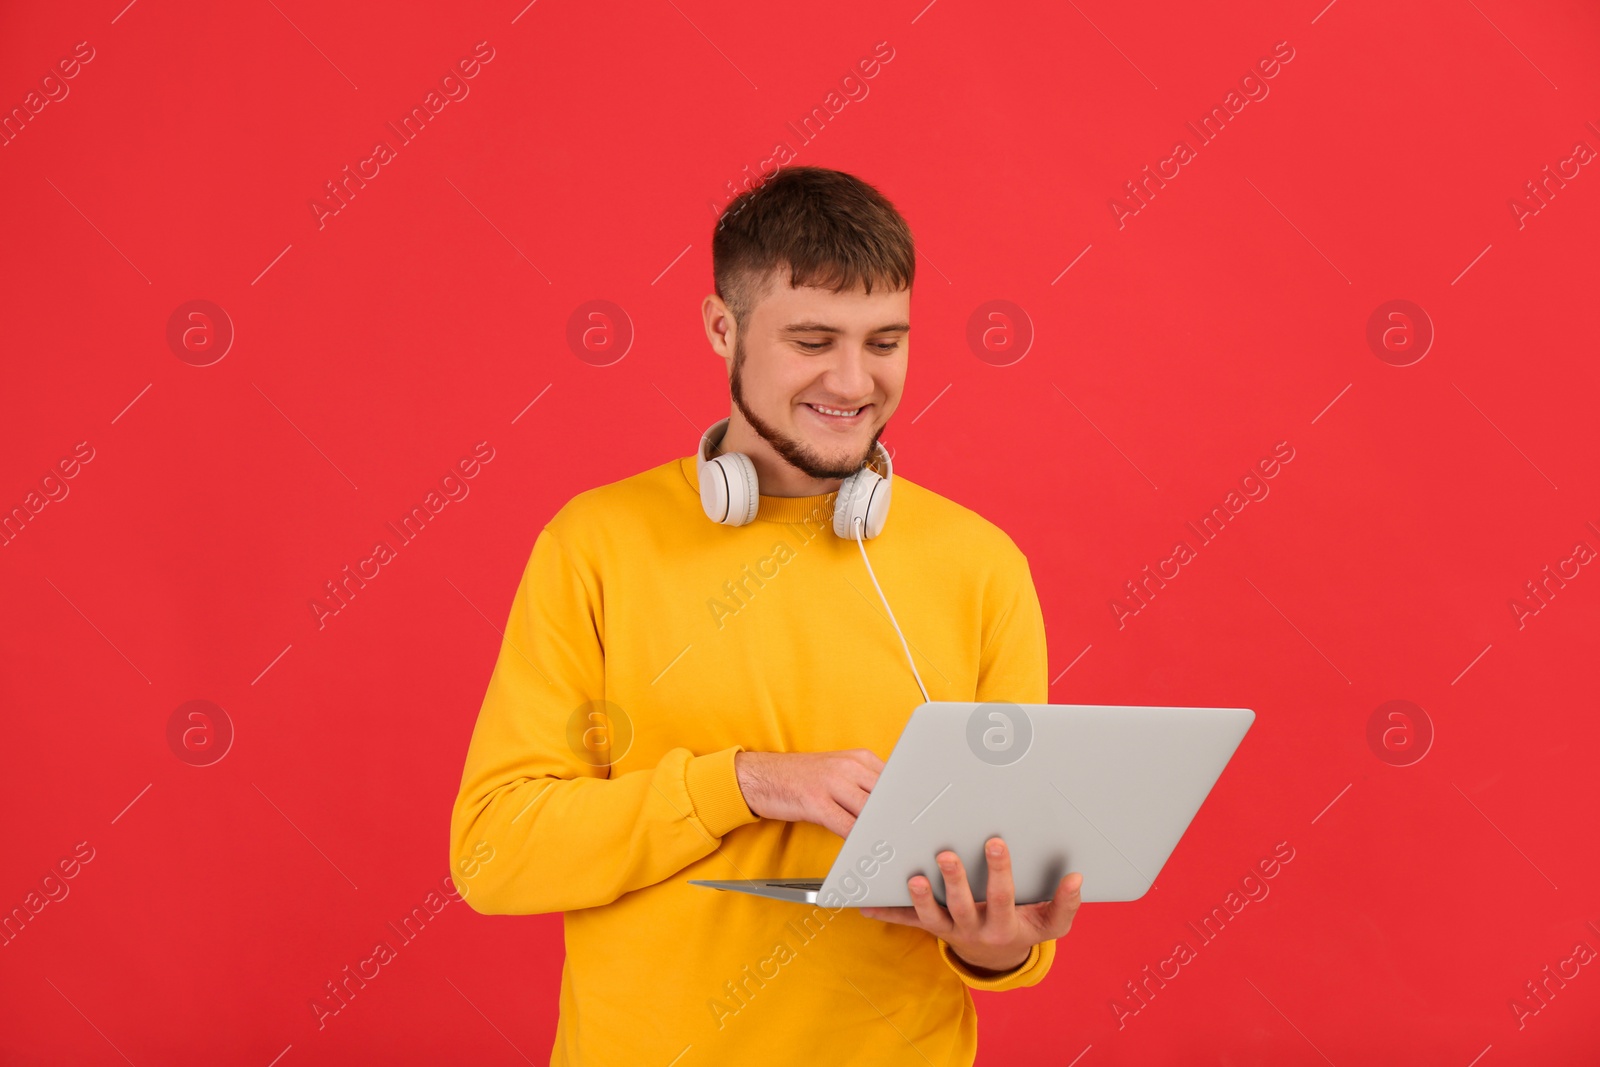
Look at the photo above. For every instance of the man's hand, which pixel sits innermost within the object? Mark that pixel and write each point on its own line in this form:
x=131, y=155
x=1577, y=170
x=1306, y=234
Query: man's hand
x=827, y=788
x=995, y=935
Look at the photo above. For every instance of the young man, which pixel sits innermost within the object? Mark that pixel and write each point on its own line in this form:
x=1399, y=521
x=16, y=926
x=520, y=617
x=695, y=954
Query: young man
x=677, y=697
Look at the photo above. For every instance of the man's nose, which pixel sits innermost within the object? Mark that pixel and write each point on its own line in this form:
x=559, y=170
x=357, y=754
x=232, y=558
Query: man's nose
x=849, y=377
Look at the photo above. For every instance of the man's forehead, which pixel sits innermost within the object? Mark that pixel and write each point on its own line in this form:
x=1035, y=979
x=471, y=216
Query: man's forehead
x=812, y=308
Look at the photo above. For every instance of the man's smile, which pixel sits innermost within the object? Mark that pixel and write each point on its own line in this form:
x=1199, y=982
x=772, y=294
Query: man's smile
x=839, y=418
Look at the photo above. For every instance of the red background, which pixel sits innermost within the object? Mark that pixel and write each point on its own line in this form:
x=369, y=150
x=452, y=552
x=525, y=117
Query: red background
x=587, y=163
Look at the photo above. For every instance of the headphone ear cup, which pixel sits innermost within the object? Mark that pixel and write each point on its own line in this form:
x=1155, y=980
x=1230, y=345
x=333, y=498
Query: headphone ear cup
x=865, y=496
x=728, y=489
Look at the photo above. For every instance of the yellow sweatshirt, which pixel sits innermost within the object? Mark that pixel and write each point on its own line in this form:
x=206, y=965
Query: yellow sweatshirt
x=697, y=640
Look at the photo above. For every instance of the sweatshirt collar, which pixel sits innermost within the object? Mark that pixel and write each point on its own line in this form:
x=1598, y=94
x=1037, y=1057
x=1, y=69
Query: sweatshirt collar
x=786, y=509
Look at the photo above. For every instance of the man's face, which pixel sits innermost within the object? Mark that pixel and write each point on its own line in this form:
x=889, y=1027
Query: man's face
x=809, y=348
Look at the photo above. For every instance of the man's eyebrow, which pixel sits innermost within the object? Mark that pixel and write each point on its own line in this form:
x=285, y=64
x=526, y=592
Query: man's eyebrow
x=822, y=327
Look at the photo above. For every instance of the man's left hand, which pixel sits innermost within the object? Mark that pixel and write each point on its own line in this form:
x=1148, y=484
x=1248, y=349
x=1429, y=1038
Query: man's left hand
x=994, y=935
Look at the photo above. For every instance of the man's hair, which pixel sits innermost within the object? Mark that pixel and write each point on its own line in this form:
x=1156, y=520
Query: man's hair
x=831, y=229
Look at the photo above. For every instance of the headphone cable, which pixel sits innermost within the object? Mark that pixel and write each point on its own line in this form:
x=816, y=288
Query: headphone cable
x=856, y=525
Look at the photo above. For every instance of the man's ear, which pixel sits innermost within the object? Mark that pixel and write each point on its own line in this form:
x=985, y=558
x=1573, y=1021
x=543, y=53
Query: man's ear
x=721, y=330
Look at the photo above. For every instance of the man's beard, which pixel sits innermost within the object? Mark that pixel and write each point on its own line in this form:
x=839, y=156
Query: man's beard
x=796, y=453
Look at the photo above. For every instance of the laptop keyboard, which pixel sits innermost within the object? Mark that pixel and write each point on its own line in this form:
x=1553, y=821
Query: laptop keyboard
x=795, y=885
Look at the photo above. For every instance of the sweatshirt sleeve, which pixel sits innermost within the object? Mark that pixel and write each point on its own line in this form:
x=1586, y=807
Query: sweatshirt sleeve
x=539, y=825
x=1013, y=666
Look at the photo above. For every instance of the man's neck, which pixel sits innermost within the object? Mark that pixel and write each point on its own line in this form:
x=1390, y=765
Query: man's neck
x=775, y=475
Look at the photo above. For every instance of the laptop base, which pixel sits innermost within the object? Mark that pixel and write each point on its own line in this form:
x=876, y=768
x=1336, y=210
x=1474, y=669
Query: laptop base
x=799, y=890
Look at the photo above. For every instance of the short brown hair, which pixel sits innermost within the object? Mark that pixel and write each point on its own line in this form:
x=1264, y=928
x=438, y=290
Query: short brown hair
x=831, y=229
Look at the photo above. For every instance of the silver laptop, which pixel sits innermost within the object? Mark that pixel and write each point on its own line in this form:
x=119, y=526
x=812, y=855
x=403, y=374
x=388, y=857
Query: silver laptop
x=1103, y=790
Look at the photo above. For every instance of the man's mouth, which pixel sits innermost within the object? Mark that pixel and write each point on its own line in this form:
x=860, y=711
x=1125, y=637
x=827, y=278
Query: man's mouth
x=839, y=416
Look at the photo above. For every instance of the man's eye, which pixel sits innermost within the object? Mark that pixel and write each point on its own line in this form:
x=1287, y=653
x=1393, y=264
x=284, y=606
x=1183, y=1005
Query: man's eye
x=817, y=346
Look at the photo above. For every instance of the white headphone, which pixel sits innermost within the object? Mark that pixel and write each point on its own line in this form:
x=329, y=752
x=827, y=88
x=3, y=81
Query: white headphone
x=730, y=495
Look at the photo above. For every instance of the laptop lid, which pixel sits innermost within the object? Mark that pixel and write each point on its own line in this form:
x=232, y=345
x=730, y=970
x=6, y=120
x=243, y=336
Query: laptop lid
x=1101, y=789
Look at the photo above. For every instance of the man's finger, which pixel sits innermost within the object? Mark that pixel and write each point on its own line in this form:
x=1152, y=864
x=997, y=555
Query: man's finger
x=863, y=776
x=932, y=917
x=869, y=758
x=863, y=767
x=838, y=820
x=1000, y=894
x=851, y=798
x=957, y=893
x=1057, y=916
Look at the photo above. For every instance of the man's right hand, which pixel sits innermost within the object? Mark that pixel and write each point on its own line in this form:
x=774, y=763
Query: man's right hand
x=827, y=788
